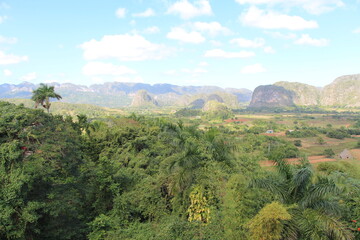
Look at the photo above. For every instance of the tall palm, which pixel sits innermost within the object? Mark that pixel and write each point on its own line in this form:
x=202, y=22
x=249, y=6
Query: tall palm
x=42, y=95
x=312, y=201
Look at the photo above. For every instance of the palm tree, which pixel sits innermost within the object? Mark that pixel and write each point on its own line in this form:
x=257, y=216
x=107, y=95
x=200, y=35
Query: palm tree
x=311, y=200
x=43, y=94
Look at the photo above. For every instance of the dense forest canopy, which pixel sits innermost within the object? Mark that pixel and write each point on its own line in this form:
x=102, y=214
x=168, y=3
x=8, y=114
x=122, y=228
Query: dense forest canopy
x=141, y=177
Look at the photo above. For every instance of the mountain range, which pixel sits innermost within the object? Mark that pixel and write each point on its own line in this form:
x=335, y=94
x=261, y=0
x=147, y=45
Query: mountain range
x=342, y=92
x=119, y=94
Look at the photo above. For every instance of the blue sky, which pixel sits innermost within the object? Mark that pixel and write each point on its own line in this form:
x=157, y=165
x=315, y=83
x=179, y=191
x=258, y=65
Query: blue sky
x=227, y=43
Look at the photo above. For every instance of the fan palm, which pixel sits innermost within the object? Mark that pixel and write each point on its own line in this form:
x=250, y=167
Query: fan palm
x=42, y=95
x=313, y=209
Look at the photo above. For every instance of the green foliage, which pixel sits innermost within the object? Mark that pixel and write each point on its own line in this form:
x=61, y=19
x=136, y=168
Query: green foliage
x=42, y=95
x=269, y=222
x=301, y=133
x=328, y=152
x=139, y=177
x=297, y=143
x=337, y=133
x=217, y=110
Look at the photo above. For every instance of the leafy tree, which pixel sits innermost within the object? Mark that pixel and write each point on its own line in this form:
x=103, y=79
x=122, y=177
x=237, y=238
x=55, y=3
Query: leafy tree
x=269, y=222
x=42, y=95
x=314, y=211
x=329, y=153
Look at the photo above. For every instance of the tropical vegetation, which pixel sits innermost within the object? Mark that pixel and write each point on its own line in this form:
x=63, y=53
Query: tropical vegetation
x=137, y=177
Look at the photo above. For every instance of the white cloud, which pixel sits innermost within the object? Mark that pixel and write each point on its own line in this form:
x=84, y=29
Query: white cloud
x=194, y=71
x=170, y=72
x=100, y=68
x=7, y=72
x=7, y=40
x=216, y=43
x=11, y=59
x=120, y=13
x=186, y=10
x=147, y=13
x=203, y=64
x=251, y=69
x=311, y=6
x=29, y=77
x=123, y=47
x=305, y=39
x=281, y=35
x=213, y=28
x=2, y=18
x=152, y=30
x=180, y=34
x=256, y=17
x=219, y=53
x=269, y=49
x=246, y=43
x=356, y=30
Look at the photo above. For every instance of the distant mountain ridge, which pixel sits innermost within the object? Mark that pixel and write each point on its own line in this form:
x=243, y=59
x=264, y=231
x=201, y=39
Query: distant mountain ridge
x=344, y=91
x=119, y=94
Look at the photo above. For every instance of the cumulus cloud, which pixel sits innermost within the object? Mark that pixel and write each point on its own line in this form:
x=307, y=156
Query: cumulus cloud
x=251, y=69
x=147, y=13
x=152, y=30
x=269, y=49
x=100, y=68
x=29, y=77
x=11, y=59
x=356, y=30
x=256, y=17
x=186, y=10
x=180, y=34
x=212, y=28
x=311, y=6
x=120, y=13
x=8, y=40
x=219, y=53
x=123, y=47
x=246, y=43
x=216, y=43
x=280, y=35
x=305, y=39
x=7, y=72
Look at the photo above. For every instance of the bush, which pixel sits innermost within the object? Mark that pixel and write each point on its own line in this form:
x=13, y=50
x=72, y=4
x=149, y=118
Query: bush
x=338, y=134
x=297, y=143
x=329, y=153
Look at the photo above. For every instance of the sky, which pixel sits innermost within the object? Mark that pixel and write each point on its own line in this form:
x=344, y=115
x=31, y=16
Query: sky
x=226, y=43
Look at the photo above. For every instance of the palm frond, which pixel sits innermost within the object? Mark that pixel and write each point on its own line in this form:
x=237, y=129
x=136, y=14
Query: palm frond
x=300, y=181
x=271, y=184
x=323, y=188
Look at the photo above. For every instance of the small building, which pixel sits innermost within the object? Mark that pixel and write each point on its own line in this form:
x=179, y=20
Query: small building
x=270, y=131
x=346, y=154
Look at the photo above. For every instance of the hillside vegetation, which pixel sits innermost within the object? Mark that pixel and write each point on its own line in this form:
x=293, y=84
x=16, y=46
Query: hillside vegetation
x=142, y=177
x=343, y=92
